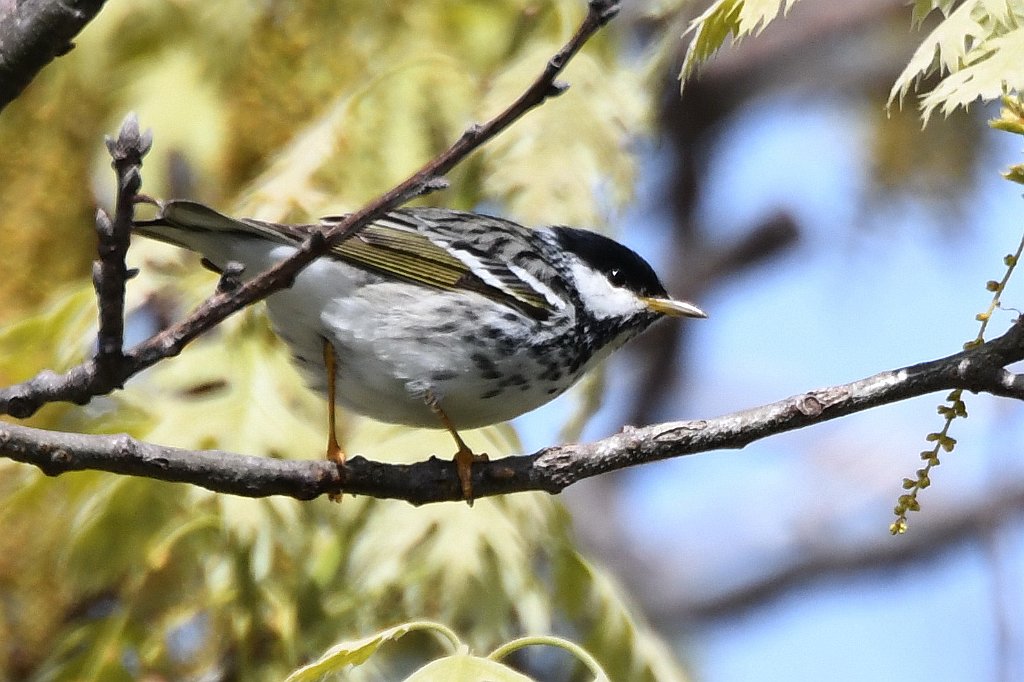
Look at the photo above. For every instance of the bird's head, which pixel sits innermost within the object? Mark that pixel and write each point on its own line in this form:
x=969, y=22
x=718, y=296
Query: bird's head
x=615, y=284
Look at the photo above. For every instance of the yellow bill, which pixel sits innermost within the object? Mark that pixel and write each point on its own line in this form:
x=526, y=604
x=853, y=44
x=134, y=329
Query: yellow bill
x=673, y=308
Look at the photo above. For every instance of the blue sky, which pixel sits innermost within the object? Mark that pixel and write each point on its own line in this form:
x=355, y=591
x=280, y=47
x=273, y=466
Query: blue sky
x=848, y=301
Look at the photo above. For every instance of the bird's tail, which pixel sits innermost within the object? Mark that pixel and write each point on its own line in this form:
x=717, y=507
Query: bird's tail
x=190, y=225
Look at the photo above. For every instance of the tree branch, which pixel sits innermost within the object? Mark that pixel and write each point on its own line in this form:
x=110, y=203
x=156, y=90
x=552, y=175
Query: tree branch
x=109, y=271
x=35, y=32
x=102, y=375
x=978, y=369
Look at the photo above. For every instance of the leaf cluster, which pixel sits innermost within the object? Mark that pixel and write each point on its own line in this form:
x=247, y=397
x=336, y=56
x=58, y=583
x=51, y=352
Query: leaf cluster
x=973, y=52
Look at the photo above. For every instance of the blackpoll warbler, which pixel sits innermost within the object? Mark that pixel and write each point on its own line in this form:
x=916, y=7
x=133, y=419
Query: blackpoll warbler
x=432, y=317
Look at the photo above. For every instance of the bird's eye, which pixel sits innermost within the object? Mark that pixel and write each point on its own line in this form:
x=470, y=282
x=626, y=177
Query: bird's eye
x=616, y=277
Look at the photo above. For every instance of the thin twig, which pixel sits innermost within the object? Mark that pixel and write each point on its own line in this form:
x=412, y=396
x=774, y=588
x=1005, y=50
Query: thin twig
x=109, y=271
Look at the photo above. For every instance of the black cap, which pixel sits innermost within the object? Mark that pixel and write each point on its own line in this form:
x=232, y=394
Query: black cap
x=621, y=265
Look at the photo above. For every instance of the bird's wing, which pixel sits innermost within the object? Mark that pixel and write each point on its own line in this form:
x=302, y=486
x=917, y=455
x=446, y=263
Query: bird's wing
x=407, y=245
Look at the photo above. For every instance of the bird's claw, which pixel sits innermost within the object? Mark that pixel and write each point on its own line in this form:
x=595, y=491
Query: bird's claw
x=464, y=459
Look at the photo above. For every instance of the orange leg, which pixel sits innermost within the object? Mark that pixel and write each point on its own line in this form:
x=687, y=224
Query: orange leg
x=334, y=451
x=464, y=457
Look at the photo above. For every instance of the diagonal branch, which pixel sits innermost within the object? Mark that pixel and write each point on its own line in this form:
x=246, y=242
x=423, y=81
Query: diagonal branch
x=90, y=379
x=979, y=369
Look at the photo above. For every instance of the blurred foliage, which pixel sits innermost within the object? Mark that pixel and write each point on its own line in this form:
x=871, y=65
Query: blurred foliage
x=45, y=198
x=283, y=110
x=975, y=50
x=927, y=169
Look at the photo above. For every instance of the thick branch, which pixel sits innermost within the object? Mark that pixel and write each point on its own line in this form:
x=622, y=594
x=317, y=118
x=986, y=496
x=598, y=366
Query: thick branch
x=85, y=381
x=980, y=369
x=35, y=32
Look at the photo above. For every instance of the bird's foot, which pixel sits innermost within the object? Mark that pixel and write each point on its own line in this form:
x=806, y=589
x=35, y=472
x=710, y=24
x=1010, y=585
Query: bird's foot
x=337, y=455
x=464, y=459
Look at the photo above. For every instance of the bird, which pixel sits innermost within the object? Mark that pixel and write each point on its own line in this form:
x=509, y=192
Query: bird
x=433, y=317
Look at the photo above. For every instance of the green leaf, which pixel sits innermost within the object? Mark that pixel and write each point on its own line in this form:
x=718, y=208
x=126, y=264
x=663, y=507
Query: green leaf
x=922, y=8
x=455, y=549
x=356, y=652
x=1011, y=115
x=1015, y=173
x=55, y=338
x=737, y=18
x=624, y=645
x=466, y=668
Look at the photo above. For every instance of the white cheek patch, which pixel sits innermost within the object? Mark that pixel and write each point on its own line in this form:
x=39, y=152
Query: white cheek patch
x=601, y=298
